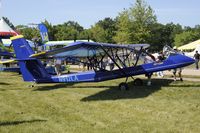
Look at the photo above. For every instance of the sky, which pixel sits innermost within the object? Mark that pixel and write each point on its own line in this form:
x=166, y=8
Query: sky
x=88, y=12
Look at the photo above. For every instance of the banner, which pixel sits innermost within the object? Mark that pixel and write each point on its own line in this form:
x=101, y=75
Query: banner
x=43, y=32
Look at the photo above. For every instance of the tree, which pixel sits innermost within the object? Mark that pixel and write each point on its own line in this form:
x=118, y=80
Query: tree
x=85, y=34
x=3, y=48
x=123, y=25
x=158, y=37
x=68, y=30
x=27, y=32
x=142, y=17
x=163, y=35
x=186, y=37
x=134, y=23
x=104, y=30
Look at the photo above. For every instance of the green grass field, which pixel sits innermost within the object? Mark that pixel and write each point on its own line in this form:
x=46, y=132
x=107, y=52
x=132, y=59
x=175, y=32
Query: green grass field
x=166, y=106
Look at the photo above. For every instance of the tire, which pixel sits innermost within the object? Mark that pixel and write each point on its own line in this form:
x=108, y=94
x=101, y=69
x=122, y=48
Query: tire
x=31, y=86
x=123, y=86
x=138, y=82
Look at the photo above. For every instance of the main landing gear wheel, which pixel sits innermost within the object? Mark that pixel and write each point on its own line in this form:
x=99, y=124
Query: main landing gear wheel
x=138, y=82
x=31, y=86
x=123, y=86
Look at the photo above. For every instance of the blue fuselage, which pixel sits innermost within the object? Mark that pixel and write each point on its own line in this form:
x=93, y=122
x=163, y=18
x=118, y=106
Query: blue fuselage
x=173, y=61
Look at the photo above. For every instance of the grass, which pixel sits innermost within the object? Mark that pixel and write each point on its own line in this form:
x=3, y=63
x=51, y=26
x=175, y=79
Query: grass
x=166, y=106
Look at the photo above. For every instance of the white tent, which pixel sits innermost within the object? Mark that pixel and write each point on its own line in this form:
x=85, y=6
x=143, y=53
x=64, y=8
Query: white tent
x=5, y=29
x=190, y=46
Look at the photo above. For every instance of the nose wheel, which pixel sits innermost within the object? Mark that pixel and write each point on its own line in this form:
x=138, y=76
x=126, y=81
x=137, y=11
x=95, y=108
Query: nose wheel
x=138, y=82
x=124, y=86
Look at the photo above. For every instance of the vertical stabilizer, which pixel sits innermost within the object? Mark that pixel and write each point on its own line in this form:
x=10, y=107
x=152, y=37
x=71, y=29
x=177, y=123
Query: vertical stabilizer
x=31, y=68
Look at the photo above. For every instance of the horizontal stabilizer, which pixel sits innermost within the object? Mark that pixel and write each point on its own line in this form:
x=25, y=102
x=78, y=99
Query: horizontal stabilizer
x=7, y=61
x=38, y=54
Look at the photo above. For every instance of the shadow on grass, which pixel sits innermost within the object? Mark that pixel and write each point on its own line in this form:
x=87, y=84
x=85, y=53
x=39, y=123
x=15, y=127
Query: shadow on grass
x=113, y=93
x=68, y=85
x=13, y=123
x=2, y=83
x=53, y=87
x=12, y=74
x=185, y=85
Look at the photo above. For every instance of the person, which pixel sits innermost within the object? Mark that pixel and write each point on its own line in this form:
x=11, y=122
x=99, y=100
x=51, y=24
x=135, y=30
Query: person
x=103, y=64
x=178, y=70
x=197, y=57
x=84, y=66
x=111, y=64
x=160, y=58
x=58, y=63
x=149, y=59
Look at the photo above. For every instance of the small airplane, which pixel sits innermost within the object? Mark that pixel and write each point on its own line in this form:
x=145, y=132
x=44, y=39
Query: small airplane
x=45, y=38
x=125, y=58
x=10, y=67
x=5, y=53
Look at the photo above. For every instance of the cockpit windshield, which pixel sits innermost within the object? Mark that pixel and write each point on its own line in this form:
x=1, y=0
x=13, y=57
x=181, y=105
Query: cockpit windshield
x=167, y=50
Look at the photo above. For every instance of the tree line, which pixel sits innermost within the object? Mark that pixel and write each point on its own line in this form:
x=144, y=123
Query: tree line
x=137, y=24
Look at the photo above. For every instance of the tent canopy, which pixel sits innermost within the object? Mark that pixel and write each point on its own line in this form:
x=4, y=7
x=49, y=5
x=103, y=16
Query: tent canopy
x=5, y=29
x=190, y=46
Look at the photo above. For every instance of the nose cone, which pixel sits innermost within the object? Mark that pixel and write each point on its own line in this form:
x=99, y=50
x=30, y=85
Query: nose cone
x=189, y=59
x=182, y=60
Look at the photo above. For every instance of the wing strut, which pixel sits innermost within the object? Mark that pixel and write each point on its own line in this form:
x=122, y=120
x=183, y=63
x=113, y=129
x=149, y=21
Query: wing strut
x=122, y=63
x=123, y=72
x=138, y=56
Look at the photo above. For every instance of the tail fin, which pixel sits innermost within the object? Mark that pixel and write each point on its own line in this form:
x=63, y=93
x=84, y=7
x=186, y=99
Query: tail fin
x=43, y=32
x=31, y=68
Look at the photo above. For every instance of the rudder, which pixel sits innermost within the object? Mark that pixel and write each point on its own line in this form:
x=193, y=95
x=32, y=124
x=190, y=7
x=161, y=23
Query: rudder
x=31, y=68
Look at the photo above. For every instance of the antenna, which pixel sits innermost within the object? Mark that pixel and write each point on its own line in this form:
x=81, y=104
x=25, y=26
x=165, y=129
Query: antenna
x=32, y=25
